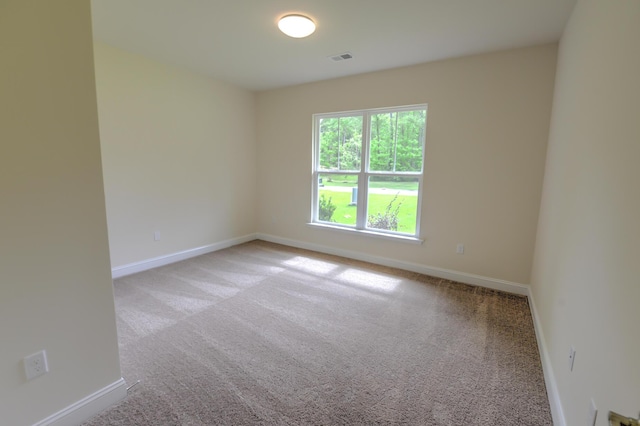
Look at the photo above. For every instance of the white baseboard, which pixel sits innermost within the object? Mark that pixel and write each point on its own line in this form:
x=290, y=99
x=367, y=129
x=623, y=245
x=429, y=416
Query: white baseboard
x=87, y=407
x=144, y=265
x=463, y=277
x=557, y=413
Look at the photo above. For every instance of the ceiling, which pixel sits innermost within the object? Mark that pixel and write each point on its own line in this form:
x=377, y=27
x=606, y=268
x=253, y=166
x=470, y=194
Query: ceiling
x=238, y=41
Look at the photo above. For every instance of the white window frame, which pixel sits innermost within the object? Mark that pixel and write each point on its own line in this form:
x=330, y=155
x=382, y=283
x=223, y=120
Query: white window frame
x=364, y=174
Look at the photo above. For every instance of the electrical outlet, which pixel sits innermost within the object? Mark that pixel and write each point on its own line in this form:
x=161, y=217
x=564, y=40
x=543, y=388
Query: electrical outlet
x=593, y=413
x=156, y=236
x=572, y=357
x=36, y=365
x=460, y=249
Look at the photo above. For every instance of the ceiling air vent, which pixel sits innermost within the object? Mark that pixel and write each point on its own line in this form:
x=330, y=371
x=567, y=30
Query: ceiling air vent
x=341, y=57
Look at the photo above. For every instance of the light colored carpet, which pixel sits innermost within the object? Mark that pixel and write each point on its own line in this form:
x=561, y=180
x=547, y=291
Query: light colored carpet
x=265, y=334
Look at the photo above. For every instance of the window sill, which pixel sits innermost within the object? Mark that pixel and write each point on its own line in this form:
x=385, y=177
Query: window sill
x=368, y=233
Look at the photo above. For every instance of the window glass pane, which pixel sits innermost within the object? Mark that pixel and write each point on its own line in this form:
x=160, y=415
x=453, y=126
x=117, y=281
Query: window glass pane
x=396, y=141
x=337, y=198
x=340, y=143
x=393, y=203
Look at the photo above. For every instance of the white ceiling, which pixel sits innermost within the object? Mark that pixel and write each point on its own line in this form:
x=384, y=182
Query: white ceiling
x=238, y=41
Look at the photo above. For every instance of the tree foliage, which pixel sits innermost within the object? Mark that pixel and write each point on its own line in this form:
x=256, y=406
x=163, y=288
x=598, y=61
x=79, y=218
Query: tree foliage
x=325, y=209
x=341, y=143
x=387, y=220
x=396, y=142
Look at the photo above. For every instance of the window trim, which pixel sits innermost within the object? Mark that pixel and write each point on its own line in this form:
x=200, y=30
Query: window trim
x=405, y=238
x=364, y=174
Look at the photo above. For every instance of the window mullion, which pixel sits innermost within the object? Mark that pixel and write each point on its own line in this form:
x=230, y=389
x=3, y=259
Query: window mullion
x=363, y=181
x=315, y=163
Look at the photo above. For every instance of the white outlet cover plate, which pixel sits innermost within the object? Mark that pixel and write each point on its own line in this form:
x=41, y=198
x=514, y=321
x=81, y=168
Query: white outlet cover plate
x=36, y=365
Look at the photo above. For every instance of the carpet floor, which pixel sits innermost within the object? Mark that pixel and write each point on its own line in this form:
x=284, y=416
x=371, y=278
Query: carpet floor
x=263, y=334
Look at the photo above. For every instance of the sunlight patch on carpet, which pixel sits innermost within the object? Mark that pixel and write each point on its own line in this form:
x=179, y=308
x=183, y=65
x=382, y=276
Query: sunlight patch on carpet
x=310, y=265
x=369, y=280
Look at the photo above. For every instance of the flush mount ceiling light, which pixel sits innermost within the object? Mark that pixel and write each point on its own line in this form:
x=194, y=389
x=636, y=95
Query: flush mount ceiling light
x=296, y=26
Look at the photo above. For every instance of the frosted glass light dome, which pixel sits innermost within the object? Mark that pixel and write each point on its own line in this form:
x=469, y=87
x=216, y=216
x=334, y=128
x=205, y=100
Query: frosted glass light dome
x=296, y=26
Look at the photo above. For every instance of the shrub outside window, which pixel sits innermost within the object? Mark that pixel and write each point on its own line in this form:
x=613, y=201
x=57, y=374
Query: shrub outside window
x=368, y=168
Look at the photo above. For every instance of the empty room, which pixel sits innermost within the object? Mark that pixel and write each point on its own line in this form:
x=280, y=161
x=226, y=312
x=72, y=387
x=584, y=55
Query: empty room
x=414, y=212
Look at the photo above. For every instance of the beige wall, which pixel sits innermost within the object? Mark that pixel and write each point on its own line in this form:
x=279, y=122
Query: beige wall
x=179, y=156
x=55, y=281
x=586, y=268
x=487, y=131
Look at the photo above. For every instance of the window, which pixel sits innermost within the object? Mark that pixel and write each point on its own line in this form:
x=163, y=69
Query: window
x=367, y=169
